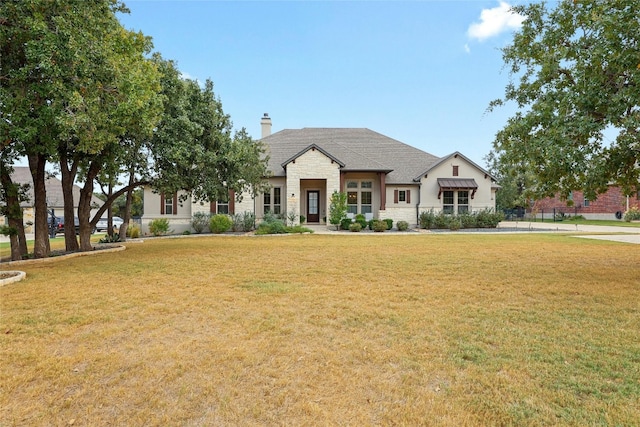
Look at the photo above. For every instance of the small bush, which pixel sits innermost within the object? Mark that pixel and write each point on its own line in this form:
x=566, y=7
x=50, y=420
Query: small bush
x=402, y=225
x=455, y=224
x=200, y=222
x=355, y=227
x=302, y=219
x=297, y=229
x=220, y=223
x=633, y=214
x=243, y=222
x=159, y=227
x=370, y=224
x=427, y=219
x=110, y=239
x=389, y=223
x=345, y=223
x=271, y=225
x=133, y=231
x=379, y=226
x=442, y=220
x=467, y=220
x=362, y=220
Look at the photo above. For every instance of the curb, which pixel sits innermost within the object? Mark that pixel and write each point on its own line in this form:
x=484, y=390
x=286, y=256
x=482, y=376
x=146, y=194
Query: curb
x=16, y=277
x=67, y=256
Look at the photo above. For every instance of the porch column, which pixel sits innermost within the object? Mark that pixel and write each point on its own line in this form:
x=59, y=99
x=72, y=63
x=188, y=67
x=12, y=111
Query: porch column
x=383, y=190
x=342, y=178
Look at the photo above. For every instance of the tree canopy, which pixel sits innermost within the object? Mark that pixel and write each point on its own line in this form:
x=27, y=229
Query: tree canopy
x=575, y=78
x=80, y=91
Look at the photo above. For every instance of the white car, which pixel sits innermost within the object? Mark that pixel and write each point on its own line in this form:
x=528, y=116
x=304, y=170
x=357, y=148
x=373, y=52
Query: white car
x=103, y=224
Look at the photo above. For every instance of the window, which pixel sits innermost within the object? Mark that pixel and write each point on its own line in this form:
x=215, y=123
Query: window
x=455, y=170
x=168, y=205
x=277, y=204
x=447, y=202
x=223, y=206
x=272, y=201
x=402, y=196
x=352, y=202
x=366, y=205
x=586, y=202
x=359, y=200
x=463, y=201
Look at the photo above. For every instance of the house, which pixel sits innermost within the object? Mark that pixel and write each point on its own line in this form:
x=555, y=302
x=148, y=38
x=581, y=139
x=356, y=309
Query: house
x=55, y=199
x=382, y=177
x=610, y=205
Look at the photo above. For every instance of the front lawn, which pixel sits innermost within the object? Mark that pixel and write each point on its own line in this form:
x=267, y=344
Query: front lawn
x=425, y=329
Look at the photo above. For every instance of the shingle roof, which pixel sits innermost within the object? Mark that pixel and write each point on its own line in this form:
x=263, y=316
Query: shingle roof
x=55, y=199
x=358, y=149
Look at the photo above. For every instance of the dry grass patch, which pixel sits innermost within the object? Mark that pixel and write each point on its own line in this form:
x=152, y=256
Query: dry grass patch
x=330, y=330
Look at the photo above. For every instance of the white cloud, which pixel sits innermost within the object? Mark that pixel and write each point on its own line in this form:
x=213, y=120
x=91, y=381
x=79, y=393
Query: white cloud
x=495, y=21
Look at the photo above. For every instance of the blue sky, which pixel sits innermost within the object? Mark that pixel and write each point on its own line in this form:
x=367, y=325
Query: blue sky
x=422, y=72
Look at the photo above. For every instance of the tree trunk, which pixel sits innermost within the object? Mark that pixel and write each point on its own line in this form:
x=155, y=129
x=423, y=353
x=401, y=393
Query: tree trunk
x=127, y=208
x=14, y=215
x=84, y=207
x=41, y=247
x=68, y=177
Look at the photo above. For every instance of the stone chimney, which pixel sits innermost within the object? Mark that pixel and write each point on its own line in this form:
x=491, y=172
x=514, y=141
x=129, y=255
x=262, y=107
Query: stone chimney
x=265, y=123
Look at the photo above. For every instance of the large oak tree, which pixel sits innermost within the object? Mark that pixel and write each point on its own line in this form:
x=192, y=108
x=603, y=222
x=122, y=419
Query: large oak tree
x=575, y=78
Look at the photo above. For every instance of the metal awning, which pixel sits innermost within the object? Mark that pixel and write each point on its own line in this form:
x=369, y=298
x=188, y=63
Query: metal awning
x=453, y=184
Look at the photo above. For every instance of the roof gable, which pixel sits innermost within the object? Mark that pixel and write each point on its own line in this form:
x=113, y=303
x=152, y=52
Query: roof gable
x=446, y=158
x=311, y=147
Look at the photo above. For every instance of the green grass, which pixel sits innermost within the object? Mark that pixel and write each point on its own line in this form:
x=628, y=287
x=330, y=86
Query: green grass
x=429, y=329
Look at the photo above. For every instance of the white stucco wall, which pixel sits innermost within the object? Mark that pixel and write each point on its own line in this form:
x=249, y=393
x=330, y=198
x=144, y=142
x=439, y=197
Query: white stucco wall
x=178, y=222
x=484, y=197
x=402, y=211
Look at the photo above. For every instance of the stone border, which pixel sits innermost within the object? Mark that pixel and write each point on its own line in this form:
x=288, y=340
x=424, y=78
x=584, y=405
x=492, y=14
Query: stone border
x=17, y=276
x=67, y=256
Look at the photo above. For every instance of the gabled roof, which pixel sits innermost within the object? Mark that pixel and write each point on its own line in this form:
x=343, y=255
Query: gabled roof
x=311, y=147
x=355, y=149
x=446, y=158
x=55, y=199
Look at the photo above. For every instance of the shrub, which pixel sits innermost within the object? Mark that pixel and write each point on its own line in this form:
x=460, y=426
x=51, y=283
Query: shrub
x=302, y=219
x=337, y=208
x=220, y=223
x=362, y=220
x=379, y=226
x=402, y=225
x=110, y=239
x=389, y=223
x=271, y=225
x=133, y=231
x=633, y=214
x=297, y=229
x=488, y=218
x=186, y=233
x=455, y=224
x=345, y=223
x=370, y=224
x=467, y=220
x=427, y=219
x=442, y=220
x=243, y=222
x=159, y=227
x=355, y=227
x=200, y=222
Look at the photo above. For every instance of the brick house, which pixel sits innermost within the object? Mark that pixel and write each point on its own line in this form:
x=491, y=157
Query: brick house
x=610, y=205
x=382, y=177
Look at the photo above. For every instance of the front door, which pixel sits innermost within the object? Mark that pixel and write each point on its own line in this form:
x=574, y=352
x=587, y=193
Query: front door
x=313, y=206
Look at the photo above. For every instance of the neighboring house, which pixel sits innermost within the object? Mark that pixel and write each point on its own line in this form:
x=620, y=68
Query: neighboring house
x=382, y=177
x=55, y=200
x=610, y=205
